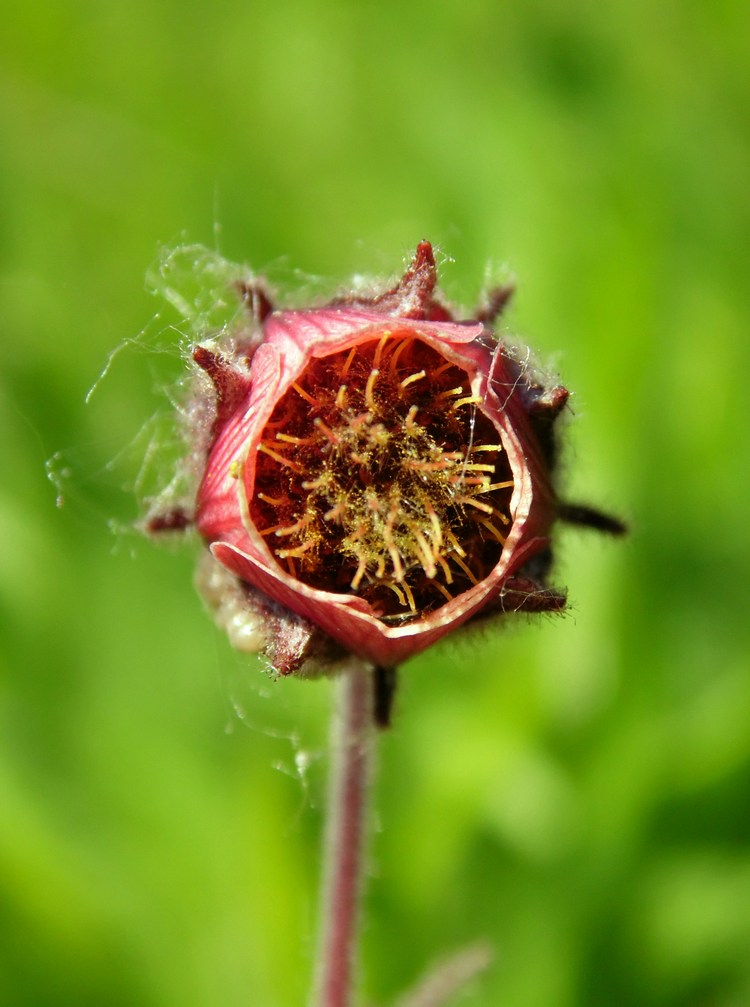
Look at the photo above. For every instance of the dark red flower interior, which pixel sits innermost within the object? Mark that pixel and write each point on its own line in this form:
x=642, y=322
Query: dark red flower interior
x=379, y=474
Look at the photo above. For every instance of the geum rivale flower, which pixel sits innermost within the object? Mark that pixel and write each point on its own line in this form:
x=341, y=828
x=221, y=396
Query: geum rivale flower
x=377, y=475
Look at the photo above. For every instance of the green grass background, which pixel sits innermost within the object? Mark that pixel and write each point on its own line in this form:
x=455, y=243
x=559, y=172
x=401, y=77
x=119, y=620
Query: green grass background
x=577, y=790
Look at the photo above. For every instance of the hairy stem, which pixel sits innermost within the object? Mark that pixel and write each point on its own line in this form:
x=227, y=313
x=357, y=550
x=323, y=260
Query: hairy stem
x=351, y=750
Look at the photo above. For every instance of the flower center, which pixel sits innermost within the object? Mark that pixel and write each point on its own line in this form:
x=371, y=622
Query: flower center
x=377, y=474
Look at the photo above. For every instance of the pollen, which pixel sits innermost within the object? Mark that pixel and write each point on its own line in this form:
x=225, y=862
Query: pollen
x=378, y=474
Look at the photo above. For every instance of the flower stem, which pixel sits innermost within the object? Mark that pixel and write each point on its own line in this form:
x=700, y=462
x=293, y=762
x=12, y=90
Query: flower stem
x=351, y=750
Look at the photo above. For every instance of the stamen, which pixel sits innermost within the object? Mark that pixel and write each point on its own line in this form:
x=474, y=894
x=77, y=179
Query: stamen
x=471, y=400
x=437, y=532
x=410, y=597
x=348, y=361
x=357, y=421
x=396, y=354
x=379, y=348
x=445, y=568
x=487, y=447
x=289, y=439
x=335, y=513
x=443, y=590
x=492, y=530
x=464, y=567
x=279, y=458
x=450, y=392
x=296, y=553
x=427, y=555
x=332, y=437
x=441, y=369
x=454, y=542
x=476, y=467
x=357, y=578
x=409, y=424
x=341, y=395
x=314, y=484
x=369, y=399
x=499, y=486
x=412, y=378
x=471, y=502
x=398, y=592
x=305, y=395
x=292, y=529
x=274, y=501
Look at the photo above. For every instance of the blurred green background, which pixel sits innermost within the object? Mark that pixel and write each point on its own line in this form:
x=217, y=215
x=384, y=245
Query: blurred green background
x=575, y=789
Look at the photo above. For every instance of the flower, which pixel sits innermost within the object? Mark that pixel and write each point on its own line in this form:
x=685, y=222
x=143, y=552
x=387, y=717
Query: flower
x=378, y=475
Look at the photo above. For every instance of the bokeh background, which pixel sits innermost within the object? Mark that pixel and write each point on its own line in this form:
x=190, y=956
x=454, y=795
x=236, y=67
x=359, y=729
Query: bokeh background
x=577, y=790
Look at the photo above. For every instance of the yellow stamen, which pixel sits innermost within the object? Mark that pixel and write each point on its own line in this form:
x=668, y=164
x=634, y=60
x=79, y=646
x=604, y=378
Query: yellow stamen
x=295, y=553
x=305, y=395
x=397, y=353
x=348, y=361
x=324, y=428
x=369, y=398
x=279, y=458
x=380, y=347
x=412, y=378
x=469, y=400
x=464, y=567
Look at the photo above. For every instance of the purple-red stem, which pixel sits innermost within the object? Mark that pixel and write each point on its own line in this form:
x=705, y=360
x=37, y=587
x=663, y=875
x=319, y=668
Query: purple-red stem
x=351, y=748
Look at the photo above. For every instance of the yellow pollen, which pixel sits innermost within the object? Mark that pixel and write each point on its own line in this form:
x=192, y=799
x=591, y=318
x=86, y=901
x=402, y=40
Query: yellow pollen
x=235, y=469
x=487, y=447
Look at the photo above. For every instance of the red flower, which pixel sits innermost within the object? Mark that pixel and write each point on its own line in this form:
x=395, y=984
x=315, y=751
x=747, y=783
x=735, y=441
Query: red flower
x=378, y=470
